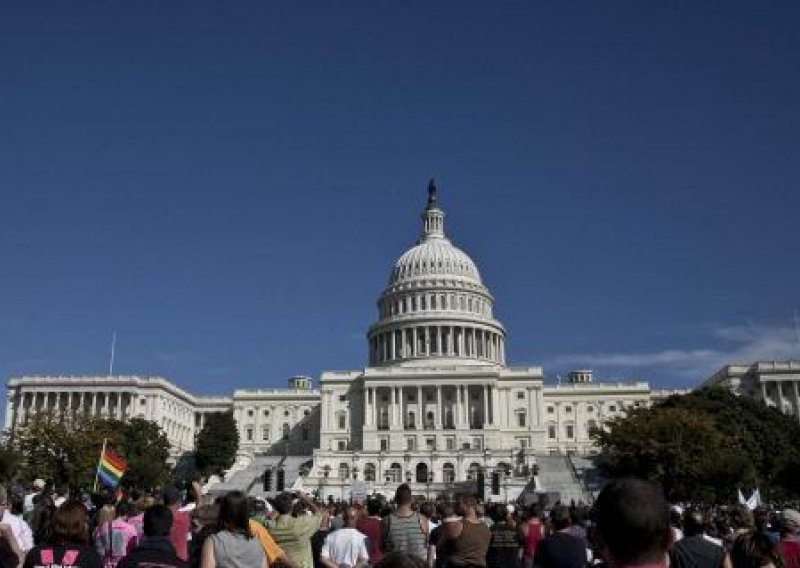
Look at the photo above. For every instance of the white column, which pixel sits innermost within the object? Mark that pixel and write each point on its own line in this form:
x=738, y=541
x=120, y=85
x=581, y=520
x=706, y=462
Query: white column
x=485, y=405
x=427, y=350
x=439, y=415
x=393, y=407
x=495, y=405
x=764, y=391
x=420, y=410
x=531, y=414
x=94, y=404
x=457, y=412
x=392, y=346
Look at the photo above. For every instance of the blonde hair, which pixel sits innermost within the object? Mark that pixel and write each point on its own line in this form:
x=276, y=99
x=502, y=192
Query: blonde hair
x=106, y=515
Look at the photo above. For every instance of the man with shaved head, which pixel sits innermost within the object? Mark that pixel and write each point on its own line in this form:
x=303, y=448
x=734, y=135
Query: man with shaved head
x=345, y=547
x=695, y=550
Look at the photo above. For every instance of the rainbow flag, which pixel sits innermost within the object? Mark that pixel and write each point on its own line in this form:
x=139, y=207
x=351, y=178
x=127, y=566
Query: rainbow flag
x=110, y=468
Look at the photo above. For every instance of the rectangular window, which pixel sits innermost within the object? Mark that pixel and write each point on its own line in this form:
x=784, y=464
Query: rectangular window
x=342, y=421
x=521, y=443
x=430, y=443
x=341, y=445
x=550, y=410
x=570, y=431
x=411, y=443
x=521, y=419
x=450, y=443
x=551, y=431
x=249, y=434
x=520, y=395
x=384, y=444
x=568, y=409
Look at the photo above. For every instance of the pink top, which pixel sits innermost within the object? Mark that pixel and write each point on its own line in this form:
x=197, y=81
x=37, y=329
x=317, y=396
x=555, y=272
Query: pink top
x=113, y=545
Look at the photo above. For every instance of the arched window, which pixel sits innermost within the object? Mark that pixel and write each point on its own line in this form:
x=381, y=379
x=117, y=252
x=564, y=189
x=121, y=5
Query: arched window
x=394, y=474
x=472, y=472
x=411, y=420
x=344, y=471
x=369, y=472
x=422, y=473
x=448, y=473
x=285, y=430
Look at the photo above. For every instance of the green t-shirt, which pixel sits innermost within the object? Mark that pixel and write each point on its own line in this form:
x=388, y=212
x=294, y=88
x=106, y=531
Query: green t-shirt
x=293, y=535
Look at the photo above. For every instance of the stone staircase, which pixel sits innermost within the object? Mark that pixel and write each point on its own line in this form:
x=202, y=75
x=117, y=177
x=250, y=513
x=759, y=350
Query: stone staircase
x=557, y=475
x=589, y=473
x=250, y=479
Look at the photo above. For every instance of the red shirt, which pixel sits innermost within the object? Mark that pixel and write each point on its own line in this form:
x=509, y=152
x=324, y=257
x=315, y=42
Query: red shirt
x=790, y=552
x=371, y=528
x=179, y=535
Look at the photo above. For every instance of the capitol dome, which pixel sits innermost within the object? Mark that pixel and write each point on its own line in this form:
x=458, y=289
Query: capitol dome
x=435, y=308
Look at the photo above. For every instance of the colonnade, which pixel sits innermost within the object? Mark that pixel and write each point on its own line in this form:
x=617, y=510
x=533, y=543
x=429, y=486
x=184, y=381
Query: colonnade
x=451, y=406
x=437, y=340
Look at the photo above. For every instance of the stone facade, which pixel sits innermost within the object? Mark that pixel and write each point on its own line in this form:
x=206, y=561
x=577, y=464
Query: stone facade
x=775, y=383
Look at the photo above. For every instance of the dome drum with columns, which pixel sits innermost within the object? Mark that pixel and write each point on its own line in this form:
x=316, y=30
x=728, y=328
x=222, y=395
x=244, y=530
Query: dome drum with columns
x=435, y=306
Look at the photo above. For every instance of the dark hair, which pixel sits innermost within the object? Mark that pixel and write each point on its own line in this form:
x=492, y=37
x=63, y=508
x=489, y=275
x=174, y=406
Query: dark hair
x=283, y=503
x=693, y=522
x=534, y=511
x=633, y=521
x=560, y=518
x=233, y=514
x=69, y=524
x=498, y=512
x=374, y=507
x=157, y=521
x=754, y=550
x=403, y=494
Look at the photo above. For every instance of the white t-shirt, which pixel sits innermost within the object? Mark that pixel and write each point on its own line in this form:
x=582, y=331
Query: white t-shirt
x=20, y=530
x=345, y=547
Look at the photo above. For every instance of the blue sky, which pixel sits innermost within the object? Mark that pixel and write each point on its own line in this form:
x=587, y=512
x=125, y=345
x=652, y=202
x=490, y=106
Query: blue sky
x=227, y=185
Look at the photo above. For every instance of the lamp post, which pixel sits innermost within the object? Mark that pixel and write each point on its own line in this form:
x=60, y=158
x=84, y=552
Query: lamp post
x=428, y=486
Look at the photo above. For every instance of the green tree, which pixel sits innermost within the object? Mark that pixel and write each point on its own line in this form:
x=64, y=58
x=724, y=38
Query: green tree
x=146, y=449
x=217, y=443
x=10, y=461
x=704, y=445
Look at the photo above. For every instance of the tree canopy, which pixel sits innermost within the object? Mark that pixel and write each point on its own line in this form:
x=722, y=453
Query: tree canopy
x=705, y=445
x=67, y=450
x=217, y=443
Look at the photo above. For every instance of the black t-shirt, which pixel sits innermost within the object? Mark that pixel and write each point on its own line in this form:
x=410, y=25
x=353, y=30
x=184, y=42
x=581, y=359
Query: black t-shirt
x=561, y=550
x=696, y=552
x=503, y=547
x=45, y=556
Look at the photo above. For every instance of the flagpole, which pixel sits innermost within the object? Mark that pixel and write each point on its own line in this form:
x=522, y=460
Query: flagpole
x=97, y=471
x=111, y=362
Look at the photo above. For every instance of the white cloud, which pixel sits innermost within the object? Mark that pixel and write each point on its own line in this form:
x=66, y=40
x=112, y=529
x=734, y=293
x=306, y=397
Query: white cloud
x=733, y=344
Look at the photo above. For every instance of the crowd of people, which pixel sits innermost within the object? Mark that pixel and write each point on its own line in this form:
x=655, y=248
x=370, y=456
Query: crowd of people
x=629, y=525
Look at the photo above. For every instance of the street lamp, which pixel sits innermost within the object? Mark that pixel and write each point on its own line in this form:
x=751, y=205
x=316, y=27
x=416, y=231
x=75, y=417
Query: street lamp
x=428, y=485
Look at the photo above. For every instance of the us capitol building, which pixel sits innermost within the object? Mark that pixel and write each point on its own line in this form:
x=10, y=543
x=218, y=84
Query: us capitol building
x=437, y=406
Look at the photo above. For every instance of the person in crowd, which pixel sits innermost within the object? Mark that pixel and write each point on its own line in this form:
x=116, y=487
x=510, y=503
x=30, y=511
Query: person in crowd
x=155, y=547
x=41, y=516
x=19, y=528
x=401, y=559
x=466, y=542
x=233, y=545
x=10, y=553
x=68, y=541
x=137, y=519
x=319, y=536
x=447, y=515
x=293, y=533
x=761, y=520
x=695, y=550
x=171, y=497
x=114, y=537
x=529, y=534
x=405, y=530
x=203, y=525
x=273, y=552
x=345, y=547
x=632, y=521
x=35, y=490
x=754, y=550
x=561, y=549
x=789, y=545
x=370, y=526
x=740, y=522
x=503, y=547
